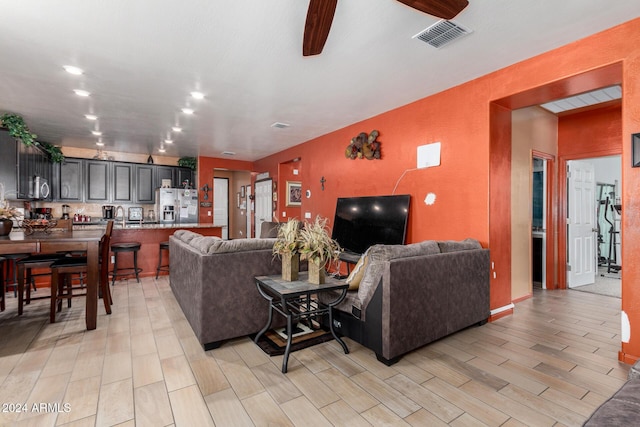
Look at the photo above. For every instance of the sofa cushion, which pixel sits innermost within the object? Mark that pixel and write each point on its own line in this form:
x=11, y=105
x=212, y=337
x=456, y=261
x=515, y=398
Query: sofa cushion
x=462, y=245
x=211, y=245
x=186, y=235
x=621, y=409
x=204, y=243
x=379, y=254
x=357, y=273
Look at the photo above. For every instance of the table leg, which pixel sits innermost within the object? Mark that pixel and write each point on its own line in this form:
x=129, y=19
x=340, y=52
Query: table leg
x=20, y=291
x=337, y=338
x=287, y=350
x=333, y=332
x=270, y=319
x=92, y=284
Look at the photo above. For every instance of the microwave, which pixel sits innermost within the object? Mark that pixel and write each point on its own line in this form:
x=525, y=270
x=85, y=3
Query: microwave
x=40, y=188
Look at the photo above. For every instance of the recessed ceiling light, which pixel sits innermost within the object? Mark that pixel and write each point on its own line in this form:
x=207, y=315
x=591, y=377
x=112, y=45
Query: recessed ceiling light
x=228, y=153
x=91, y=117
x=162, y=150
x=176, y=129
x=81, y=92
x=73, y=70
x=187, y=110
x=197, y=95
x=168, y=141
x=100, y=144
x=96, y=132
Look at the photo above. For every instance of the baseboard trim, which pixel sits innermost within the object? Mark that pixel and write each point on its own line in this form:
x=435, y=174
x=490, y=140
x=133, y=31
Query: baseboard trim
x=629, y=359
x=500, y=312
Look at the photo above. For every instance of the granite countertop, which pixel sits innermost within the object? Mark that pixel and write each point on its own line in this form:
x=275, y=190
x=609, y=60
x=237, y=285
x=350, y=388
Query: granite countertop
x=99, y=225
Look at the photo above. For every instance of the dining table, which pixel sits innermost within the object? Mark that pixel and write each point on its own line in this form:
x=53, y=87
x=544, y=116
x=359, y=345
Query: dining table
x=40, y=242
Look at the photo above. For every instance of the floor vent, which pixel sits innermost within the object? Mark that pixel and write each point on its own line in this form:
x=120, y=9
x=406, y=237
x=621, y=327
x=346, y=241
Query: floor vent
x=442, y=33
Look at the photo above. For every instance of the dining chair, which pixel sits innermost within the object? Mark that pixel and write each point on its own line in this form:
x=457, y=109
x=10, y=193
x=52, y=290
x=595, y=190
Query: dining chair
x=2, y=287
x=27, y=265
x=61, y=288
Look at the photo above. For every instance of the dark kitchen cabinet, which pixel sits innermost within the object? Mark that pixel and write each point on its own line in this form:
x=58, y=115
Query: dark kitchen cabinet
x=185, y=175
x=145, y=187
x=164, y=172
x=20, y=165
x=68, y=180
x=177, y=175
x=8, y=164
x=122, y=182
x=97, y=181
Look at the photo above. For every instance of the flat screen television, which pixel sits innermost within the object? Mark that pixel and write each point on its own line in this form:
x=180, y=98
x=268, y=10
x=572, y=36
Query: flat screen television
x=361, y=222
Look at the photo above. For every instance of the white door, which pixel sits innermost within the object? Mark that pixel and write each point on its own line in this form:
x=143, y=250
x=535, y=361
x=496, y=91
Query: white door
x=249, y=210
x=581, y=241
x=264, y=203
x=221, y=205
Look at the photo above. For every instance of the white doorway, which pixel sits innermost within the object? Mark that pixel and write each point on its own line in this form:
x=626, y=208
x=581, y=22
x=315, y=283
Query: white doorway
x=581, y=223
x=263, y=203
x=221, y=205
x=539, y=220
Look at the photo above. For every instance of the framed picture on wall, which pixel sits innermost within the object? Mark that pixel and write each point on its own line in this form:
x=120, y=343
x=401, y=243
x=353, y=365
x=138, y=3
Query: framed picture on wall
x=635, y=150
x=294, y=193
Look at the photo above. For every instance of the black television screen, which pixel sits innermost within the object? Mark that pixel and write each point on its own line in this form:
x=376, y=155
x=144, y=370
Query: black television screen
x=361, y=222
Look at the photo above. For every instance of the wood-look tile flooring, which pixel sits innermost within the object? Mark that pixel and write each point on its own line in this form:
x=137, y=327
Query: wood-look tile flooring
x=551, y=363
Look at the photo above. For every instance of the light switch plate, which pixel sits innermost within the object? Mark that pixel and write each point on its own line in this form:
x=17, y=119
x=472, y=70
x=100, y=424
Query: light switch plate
x=307, y=215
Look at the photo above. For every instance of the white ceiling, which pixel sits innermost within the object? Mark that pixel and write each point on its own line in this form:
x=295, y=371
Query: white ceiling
x=142, y=58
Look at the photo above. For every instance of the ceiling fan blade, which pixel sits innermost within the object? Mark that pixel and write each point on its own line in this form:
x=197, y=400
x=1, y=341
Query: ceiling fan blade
x=317, y=26
x=445, y=9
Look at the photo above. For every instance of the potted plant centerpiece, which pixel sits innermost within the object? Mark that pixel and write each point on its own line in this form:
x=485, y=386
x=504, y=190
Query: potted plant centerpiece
x=7, y=214
x=318, y=248
x=286, y=247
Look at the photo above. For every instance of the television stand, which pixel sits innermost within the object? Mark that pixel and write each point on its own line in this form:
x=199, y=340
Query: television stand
x=349, y=258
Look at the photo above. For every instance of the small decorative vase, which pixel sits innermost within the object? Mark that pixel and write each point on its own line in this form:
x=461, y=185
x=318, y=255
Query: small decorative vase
x=5, y=227
x=290, y=267
x=316, y=273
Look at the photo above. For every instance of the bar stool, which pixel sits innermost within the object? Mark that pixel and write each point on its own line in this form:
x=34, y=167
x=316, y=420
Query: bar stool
x=164, y=246
x=118, y=248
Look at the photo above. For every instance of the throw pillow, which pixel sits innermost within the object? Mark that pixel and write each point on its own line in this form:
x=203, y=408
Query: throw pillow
x=463, y=245
x=355, y=277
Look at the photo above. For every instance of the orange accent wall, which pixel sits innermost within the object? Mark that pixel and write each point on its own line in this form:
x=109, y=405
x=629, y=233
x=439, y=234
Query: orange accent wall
x=470, y=121
x=206, y=169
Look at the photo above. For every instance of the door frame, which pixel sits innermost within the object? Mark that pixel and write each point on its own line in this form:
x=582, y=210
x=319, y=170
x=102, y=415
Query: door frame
x=563, y=206
x=551, y=220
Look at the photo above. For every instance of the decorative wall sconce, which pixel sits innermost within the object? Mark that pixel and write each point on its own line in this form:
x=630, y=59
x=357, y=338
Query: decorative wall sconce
x=635, y=150
x=206, y=191
x=364, y=146
x=322, y=181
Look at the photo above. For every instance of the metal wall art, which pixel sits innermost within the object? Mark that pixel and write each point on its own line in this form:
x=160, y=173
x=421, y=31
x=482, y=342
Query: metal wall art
x=364, y=146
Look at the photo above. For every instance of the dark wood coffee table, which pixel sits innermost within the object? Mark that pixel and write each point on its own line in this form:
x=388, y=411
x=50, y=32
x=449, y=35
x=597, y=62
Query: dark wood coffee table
x=294, y=301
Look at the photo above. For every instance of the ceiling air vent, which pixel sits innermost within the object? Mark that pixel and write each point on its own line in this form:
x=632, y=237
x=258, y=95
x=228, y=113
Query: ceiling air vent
x=280, y=125
x=442, y=33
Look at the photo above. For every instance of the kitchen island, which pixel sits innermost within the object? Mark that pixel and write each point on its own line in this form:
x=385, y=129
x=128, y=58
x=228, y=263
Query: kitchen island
x=149, y=235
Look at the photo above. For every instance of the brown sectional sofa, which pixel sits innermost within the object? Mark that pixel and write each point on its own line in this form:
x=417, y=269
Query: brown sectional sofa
x=411, y=295
x=213, y=281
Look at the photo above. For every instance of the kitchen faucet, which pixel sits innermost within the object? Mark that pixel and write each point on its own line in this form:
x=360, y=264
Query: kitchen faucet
x=123, y=218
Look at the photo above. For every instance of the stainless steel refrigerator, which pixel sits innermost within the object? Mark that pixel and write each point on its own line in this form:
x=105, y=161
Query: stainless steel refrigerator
x=177, y=205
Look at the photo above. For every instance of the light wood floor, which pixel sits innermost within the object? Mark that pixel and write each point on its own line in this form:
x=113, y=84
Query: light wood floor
x=551, y=363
